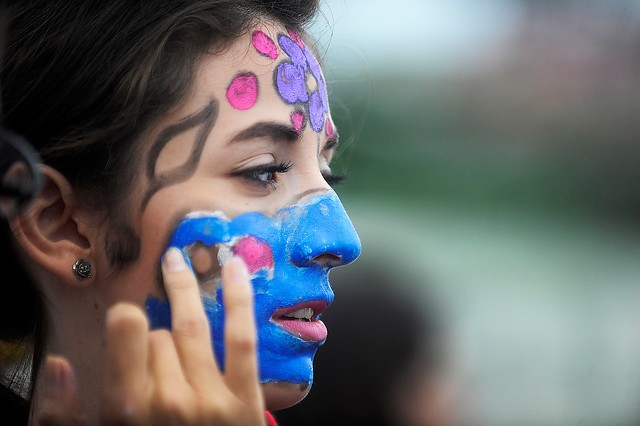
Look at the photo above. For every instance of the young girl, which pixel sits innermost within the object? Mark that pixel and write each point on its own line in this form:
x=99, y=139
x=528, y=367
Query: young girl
x=174, y=265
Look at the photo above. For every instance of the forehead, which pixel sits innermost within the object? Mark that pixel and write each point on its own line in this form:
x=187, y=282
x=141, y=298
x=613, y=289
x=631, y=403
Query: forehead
x=267, y=74
x=267, y=78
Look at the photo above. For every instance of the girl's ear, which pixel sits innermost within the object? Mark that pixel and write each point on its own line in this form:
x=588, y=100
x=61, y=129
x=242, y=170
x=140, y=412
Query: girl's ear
x=51, y=231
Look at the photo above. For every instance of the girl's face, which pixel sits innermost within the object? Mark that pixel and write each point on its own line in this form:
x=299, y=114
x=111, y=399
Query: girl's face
x=242, y=169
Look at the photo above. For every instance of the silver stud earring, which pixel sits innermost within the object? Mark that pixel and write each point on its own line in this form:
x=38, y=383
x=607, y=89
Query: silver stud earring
x=81, y=269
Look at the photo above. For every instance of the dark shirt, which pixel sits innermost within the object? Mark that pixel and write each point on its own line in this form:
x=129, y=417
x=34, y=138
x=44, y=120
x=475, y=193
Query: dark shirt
x=14, y=411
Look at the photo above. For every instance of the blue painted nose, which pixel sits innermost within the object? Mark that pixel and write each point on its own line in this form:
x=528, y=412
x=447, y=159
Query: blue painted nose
x=324, y=234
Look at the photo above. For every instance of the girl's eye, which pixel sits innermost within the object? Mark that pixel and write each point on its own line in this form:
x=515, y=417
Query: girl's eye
x=267, y=174
x=263, y=176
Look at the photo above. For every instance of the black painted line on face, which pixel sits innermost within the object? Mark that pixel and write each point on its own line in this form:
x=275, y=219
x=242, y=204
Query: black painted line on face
x=205, y=119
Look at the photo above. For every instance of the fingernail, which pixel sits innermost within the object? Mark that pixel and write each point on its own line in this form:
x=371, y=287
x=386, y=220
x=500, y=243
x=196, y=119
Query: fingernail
x=238, y=269
x=174, y=261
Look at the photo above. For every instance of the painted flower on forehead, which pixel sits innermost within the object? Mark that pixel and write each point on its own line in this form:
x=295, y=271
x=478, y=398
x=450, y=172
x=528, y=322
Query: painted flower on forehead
x=264, y=45
x=291, y=80
x=242, y=93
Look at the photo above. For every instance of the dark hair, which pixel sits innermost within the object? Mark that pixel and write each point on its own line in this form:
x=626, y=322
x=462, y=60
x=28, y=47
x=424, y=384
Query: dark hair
x=82, y=80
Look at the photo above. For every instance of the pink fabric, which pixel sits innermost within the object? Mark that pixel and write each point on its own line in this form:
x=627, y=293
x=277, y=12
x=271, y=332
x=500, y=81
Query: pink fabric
x=271, y=421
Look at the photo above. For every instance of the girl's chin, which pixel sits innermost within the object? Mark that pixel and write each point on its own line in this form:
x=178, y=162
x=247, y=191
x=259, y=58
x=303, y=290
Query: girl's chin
x=280, y=395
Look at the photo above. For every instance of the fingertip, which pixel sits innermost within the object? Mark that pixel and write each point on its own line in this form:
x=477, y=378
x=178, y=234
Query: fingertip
x=60, y=404
x=59, y=377
x=125, y=315
x=173, y=260
x=236, y=269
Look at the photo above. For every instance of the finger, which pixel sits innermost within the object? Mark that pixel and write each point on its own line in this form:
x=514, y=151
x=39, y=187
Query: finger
x=126, y=363
x=241, y=366
x=189, y=323
x=60, y=405
x=172, y=398
x=164, y=362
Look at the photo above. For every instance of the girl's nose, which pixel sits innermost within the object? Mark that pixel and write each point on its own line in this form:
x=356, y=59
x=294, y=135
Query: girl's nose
x=324, y=234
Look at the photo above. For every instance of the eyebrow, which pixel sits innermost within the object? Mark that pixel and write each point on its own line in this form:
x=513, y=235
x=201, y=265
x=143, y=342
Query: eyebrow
x=275, y=131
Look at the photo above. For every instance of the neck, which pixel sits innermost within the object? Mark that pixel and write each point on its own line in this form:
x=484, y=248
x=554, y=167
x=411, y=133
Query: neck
x=76, y=333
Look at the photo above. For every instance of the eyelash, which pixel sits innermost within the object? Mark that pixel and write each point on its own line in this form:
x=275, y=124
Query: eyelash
x=271, y=169
x=284, y=167
x=331, y=179
x=334, y=180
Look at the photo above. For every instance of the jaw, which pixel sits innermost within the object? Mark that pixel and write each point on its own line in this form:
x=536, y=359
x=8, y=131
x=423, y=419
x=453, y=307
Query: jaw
x=280, y=395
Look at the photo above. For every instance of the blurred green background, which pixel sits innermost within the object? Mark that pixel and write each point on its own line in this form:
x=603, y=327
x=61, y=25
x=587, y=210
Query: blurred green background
x=492, y=148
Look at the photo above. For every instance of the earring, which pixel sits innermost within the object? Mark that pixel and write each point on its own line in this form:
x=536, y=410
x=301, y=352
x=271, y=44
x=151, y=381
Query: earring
x=81, y=269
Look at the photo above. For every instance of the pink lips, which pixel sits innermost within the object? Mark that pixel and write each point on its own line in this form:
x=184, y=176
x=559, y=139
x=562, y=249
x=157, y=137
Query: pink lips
x=312, y=330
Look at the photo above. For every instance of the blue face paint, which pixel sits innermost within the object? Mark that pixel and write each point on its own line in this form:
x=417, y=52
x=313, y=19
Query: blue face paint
x=284, y=255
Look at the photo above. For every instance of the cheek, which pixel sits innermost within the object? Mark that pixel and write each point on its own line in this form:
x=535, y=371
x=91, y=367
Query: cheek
x=139, y=281
x=256, y=253
x=142, y=277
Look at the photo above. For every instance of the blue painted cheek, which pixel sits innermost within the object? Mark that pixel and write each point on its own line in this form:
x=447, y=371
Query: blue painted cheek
x=296, y=236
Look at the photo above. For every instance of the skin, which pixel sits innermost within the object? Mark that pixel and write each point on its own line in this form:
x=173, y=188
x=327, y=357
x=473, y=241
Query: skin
x=192, y=160
x=167, y=378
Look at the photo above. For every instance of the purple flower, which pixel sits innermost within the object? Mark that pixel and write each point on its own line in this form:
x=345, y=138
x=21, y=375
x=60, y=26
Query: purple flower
x=291, y=81
x=294, y=51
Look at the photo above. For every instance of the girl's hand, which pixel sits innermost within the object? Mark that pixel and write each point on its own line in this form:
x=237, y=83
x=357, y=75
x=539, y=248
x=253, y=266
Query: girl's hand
x=161, y=377
x=60, y=404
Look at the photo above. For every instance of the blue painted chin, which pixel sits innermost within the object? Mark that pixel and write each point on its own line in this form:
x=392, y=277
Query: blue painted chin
x=292, y=275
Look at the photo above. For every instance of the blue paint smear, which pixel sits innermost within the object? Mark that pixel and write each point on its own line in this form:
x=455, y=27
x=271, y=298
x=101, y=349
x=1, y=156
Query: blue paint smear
x=296, y=235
